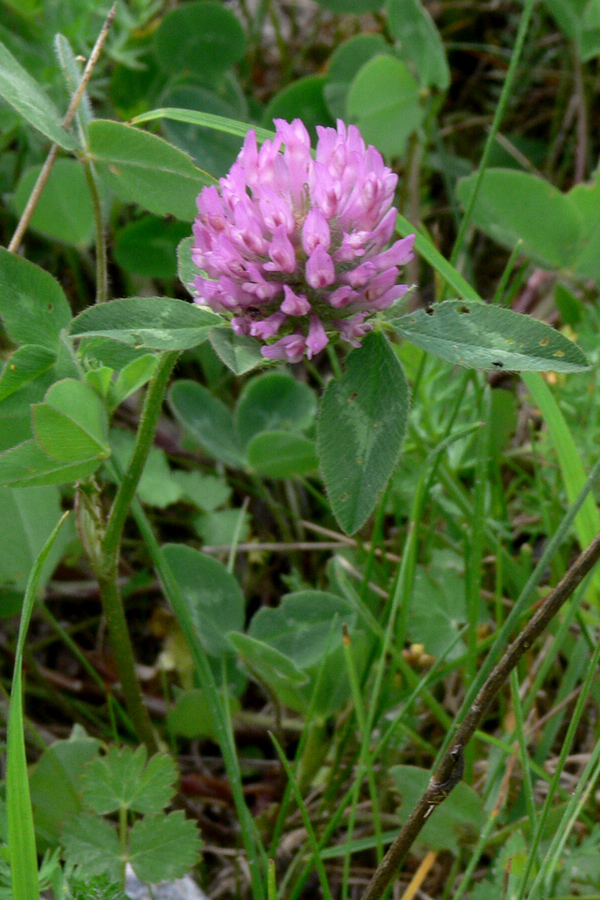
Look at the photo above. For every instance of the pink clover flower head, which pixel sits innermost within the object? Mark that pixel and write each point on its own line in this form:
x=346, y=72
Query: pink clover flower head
x=294, y=250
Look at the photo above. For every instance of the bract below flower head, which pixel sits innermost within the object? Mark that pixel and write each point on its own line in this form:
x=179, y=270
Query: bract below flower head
x=292, y=248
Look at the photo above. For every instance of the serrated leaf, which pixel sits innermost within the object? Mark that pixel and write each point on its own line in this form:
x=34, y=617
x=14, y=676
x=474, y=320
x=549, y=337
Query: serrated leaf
x=153, y=323
x=163, y=848
x=33, y=306
x=208, y=420
x=143, y=168
x=482, y=336
x=122, y=780
x=92, y=844
x=25, y=365
x=239, y=352
x=25, y=95
x=26, y=465
x=360, y=429
x=71, y=424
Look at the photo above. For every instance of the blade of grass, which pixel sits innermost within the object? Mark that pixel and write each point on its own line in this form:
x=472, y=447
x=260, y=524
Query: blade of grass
x=386, y=837
x=21, y=835
x=591, y=675
x=522, y=603
x=524, y=756
x=587, y=522
x=205, y=120
x=507, y=86
x=571, y=814
x=306, y=819
x=365, y=763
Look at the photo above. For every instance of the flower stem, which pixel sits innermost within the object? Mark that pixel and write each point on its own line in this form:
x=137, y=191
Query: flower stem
x=143, y=444
x=107, y=568
x=101, y=258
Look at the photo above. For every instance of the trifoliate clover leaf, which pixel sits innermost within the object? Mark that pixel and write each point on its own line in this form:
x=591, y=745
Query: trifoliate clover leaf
x=92, y=844
x=163, y=848
x=122, y=780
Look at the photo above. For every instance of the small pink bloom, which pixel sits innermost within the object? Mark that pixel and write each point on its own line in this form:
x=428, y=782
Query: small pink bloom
x=294, y=247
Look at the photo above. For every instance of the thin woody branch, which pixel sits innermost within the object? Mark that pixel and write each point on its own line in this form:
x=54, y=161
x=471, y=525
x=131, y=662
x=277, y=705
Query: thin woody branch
x=66, y=123
x=450, y=770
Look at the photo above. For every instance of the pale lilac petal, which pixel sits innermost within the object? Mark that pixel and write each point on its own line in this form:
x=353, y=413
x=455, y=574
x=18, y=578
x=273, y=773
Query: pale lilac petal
x=341, y=296
x=353, y=330
x=281, y=252
x=274, y=211
x=267, y=327
x=360, y=276
x=389, y=297
x=320, y=271
x=315, y=232
x=398, y=254
x=317, y=338
x=294, y=304
x=291, y=348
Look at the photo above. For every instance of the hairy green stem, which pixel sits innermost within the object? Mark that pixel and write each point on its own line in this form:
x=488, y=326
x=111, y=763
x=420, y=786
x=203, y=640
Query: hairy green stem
x=101, y=258
x=107, y=568
x=144, y=440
